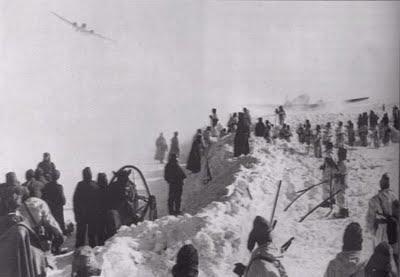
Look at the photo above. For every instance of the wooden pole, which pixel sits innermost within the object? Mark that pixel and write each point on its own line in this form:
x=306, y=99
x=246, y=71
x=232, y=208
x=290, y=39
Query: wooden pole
x=275, y=201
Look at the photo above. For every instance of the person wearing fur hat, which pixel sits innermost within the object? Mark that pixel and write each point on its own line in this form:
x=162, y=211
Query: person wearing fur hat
x=187, y=262
x=381, y=263
x=262, y=263
x=349, y=262
x=380, y=207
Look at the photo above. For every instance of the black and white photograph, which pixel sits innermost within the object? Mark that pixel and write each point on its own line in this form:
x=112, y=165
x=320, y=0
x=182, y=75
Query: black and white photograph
x=190, y=138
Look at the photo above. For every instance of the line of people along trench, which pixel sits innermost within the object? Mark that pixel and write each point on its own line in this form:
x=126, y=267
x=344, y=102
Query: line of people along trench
x=35, y=208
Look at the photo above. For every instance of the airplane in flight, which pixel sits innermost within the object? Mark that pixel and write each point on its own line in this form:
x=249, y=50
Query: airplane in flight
x=82, y=28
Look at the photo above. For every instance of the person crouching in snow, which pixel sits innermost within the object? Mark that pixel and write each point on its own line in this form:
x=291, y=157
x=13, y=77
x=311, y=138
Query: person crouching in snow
x=187, y=262
x=381, y=263
x=262, y=263
x=329, y=170
x=379, y=209
x=174, y=176
x=349, y=262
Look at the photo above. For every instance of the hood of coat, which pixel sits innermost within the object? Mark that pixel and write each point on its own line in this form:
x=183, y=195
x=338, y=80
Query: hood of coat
x=348, y=262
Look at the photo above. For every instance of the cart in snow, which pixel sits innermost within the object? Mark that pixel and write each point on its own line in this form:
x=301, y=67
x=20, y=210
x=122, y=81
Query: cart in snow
x=130, y=199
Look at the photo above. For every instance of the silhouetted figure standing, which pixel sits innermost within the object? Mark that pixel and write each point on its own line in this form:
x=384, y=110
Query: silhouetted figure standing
x=174, y=149
x=241, y=142
x=53, y=194
x=161, y=148
x=87, y=209
x=174, y=176
x=47, y=166
x=102, y=182
x=260, y=128
x=194, y=160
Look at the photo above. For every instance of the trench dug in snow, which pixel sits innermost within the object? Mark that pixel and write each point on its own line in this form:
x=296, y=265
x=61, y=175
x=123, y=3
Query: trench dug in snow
x=220, y=214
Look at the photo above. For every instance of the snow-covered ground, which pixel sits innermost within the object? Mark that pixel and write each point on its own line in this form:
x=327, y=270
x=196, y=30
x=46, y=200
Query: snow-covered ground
x=220, y=214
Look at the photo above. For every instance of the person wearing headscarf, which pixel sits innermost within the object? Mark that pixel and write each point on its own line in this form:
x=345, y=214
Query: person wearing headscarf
x=161, y=148
x=380, y=207
x=241, y=140
x=20, y=251
x=349, y=262
x=194, y=160
x=187, y=262
x=262, y=262
x=381, y=263
x=86, y=201
x=47, y=166
x=174, y=176
x=260, y=128
x=174, y=149
x=53, y=194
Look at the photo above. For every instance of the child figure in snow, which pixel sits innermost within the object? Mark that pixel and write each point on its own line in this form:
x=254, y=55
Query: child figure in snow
x=379, y=208
x=162, y=148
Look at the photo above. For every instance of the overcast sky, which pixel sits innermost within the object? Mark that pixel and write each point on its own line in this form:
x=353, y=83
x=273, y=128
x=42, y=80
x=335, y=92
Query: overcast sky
x=92, y=102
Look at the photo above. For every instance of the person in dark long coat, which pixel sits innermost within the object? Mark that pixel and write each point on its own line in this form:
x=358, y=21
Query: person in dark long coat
x=194, y=160
x=174, y=176
x=350, y=133
x=102, y=182
x=241, y=141
x=187, y=262
x=86, y=201
x=53, y=194
x=260, y=128
x=174, y=149
x=47, y=166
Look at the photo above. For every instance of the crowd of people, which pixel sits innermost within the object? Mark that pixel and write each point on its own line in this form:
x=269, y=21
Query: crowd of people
x=31, y=213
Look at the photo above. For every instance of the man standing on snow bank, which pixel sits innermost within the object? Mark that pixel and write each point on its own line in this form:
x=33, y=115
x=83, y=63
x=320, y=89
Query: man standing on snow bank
x=262, y=263
x=47, y=166
x=349, y=262
x=187, y=262
x=379, y=209
x=241, y=141
x=174, y=176
x=174, y=149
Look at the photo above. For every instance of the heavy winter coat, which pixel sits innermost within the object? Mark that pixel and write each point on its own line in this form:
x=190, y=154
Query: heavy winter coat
x=345, y=264
x=174, y=149
x=380, y=264
x=194, y=160
x=380, y=204
x=86, y=200
x=187, y=262
x=161, y=148
x=174, y=174
x=48, y=169
x=53, y=194
x=269, y=266
x=241, y=141
x=260, y=129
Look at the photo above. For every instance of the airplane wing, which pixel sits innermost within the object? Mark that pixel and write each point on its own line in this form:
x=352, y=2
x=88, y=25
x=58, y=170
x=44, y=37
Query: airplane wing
x=101, y=36
x=64, y=19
